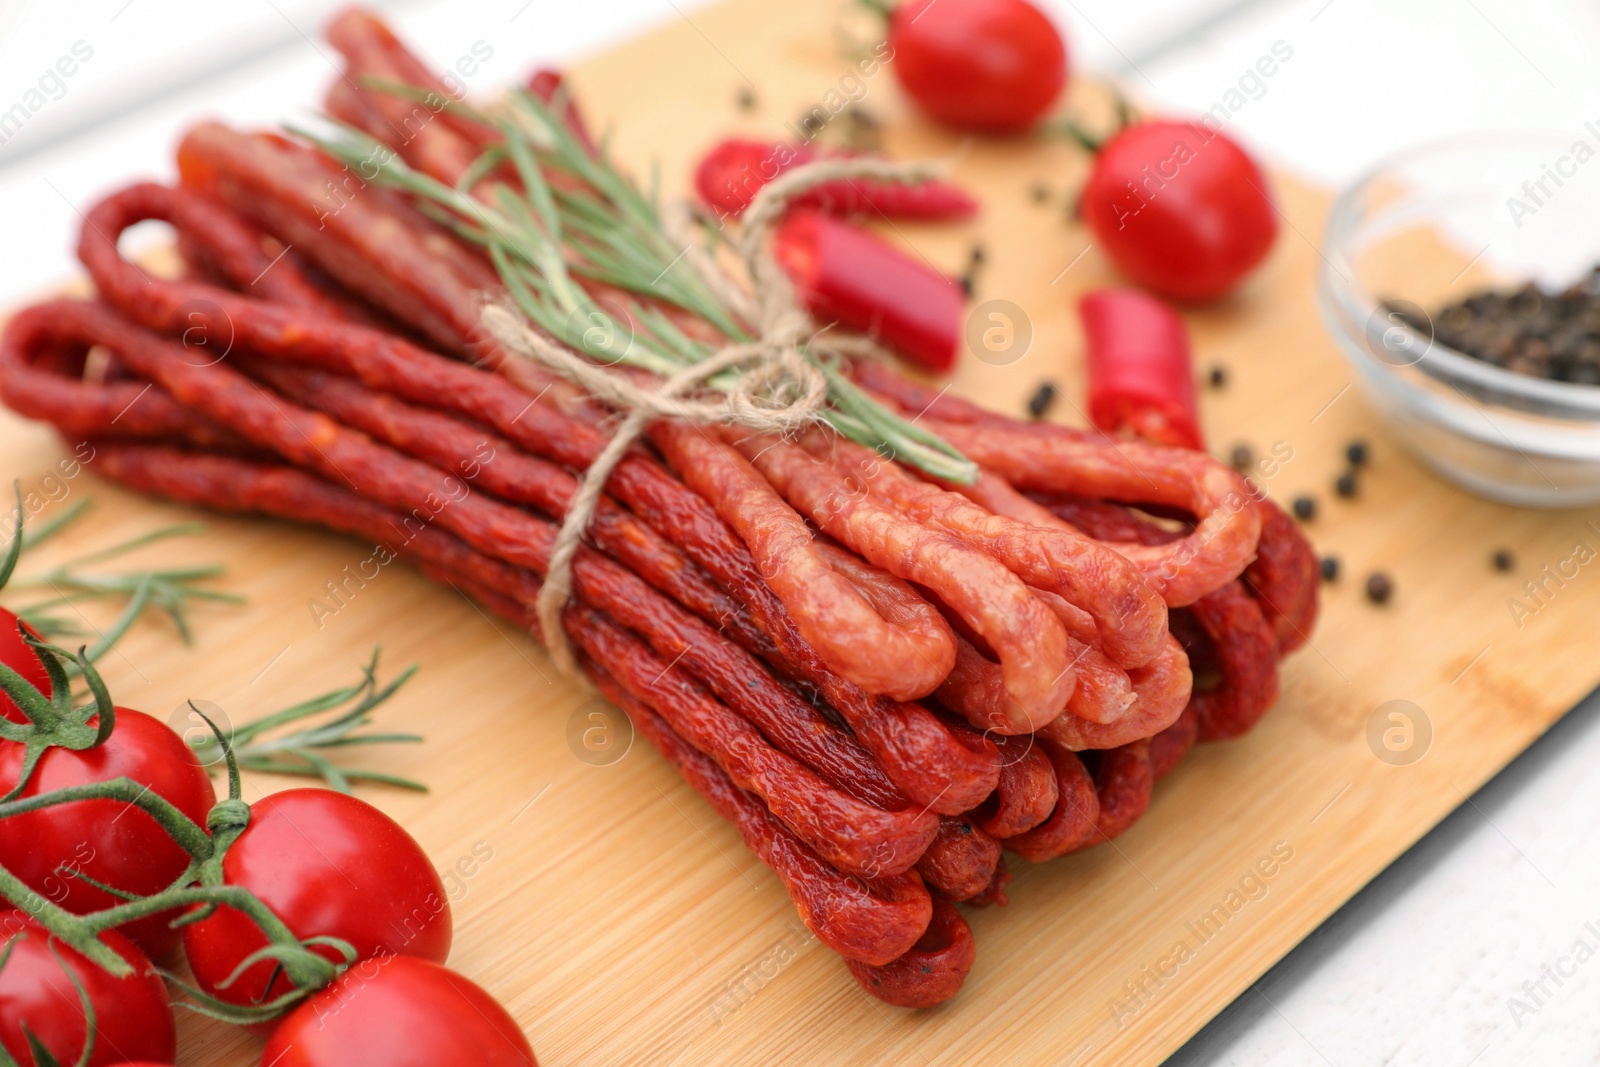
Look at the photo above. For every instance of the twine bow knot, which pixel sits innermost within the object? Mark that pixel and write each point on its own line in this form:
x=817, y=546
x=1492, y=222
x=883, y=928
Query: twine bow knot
x=771, y=384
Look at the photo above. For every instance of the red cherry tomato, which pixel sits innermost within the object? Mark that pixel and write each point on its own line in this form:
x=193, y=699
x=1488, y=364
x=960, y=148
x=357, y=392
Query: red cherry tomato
x=132, y=1015
x=990, y=65
x=1179, y=208
x=400, y=1012
x=108, y=840
x=14, y=653
x=328, y=865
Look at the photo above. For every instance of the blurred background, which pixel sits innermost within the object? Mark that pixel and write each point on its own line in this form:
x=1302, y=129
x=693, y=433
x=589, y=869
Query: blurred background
x=1422, y=967
x=1366, y=76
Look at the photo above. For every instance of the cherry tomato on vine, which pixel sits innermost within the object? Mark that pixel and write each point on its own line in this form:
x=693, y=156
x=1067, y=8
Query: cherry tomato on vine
x=328, y=865
x=995, y=66
x=1181, y=209
x=400, y=1012
x=22, y=659
x=132, y=1015
x=107, y=840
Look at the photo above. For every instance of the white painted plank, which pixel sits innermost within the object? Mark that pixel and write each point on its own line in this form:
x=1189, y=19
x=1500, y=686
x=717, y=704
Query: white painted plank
x=1480, y=946
x=51, y=184
x=1369, y=77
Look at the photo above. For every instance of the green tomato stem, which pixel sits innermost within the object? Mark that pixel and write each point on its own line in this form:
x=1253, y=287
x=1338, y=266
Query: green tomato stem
x=183, y=831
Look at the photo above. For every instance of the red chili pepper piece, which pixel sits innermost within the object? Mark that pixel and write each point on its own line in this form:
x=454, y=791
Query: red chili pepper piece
x=731, y=174
x=845, y=274
x=546, y=84
x=1141, y=378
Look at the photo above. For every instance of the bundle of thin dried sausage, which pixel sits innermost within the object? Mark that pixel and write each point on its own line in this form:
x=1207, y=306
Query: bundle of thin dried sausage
x=882, y=677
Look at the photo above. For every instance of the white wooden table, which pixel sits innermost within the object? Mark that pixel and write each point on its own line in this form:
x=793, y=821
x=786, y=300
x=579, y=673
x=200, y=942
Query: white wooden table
x=1482, y=944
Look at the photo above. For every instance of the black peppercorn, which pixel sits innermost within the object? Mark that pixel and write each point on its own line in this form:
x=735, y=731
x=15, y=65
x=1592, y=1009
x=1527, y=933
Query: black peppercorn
x=1529, y=330
x=1242, y=457
x=1218, y=377
x=1379, y=588
x=862, y=117
x=1503, y=560
x=1042, y=399
x=1330, y=568
x=1345, y=484
x=1356, y=453
x=1305, y=508
x=862, y=132
x=975, y=259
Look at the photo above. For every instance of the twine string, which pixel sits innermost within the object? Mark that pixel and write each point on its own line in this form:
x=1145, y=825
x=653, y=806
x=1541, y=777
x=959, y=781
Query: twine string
x=778, y=389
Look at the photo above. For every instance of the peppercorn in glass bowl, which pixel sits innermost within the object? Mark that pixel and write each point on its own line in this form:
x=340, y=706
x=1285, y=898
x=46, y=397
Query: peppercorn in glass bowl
x=1459, y=279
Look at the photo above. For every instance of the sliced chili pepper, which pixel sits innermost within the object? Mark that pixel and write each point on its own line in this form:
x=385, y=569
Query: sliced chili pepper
x=731, y=174
x=845, y=274
x=1141, y=378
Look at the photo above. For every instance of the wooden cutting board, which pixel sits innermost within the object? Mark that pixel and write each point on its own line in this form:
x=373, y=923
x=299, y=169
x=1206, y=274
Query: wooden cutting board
x=624, y=923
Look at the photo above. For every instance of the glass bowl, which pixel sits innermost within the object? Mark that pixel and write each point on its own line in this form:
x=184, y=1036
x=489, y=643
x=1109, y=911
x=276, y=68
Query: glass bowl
x=1430, y=226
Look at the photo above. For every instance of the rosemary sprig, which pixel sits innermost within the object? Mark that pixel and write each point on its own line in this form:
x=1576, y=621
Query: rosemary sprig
x=300, y=751
x=170, y=591
x=40, y=534
x=575, y=219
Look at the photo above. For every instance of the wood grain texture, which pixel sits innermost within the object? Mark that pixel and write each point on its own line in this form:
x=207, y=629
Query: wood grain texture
x=622, y=922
